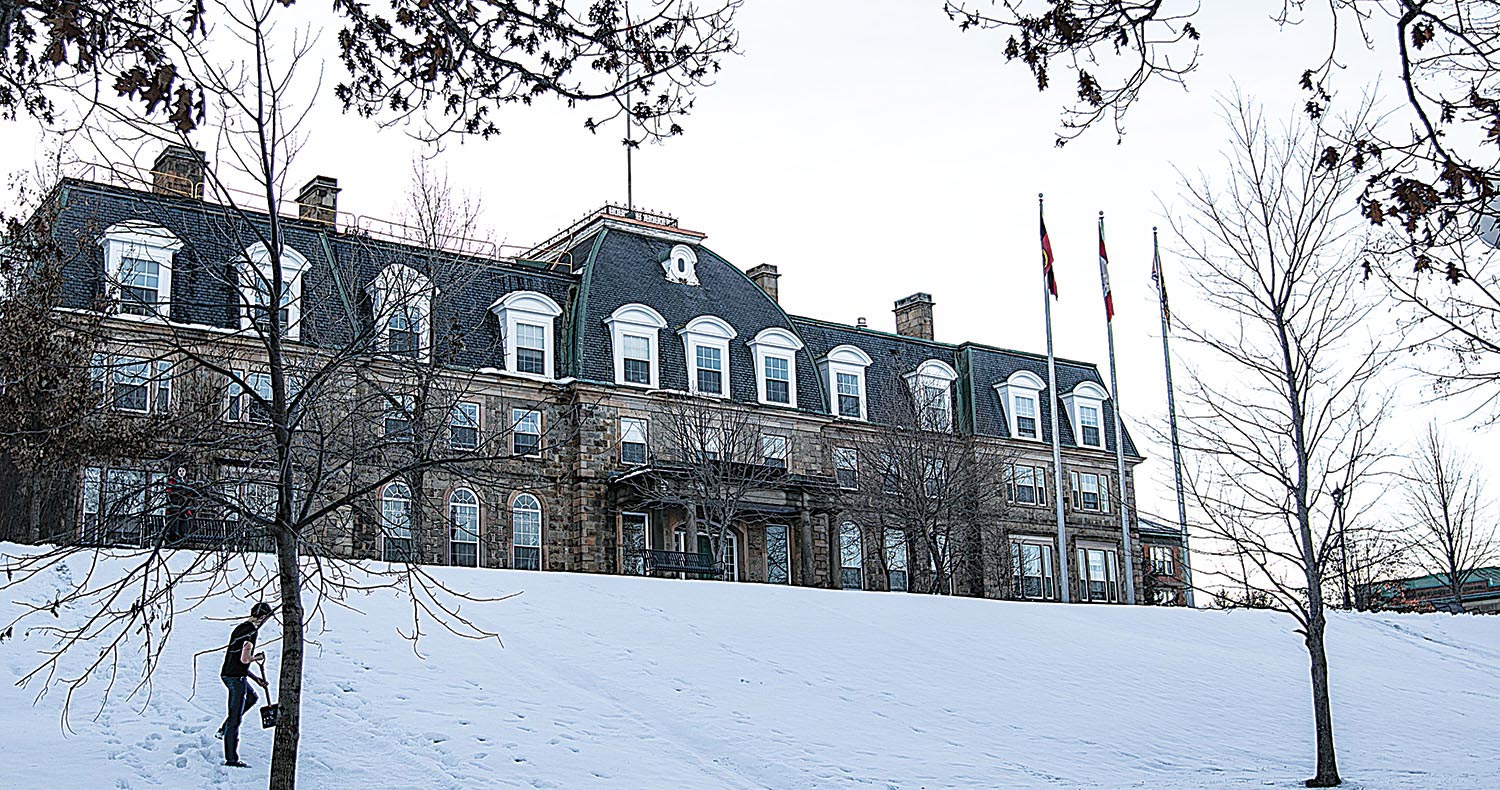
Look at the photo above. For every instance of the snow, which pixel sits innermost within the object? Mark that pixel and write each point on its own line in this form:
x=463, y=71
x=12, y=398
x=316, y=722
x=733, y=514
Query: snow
x=608, y=682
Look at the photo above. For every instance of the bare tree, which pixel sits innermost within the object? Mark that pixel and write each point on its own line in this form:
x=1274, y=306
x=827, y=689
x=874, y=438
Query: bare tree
x=936, y=495
x=1444, y=496
x=712, y=459
x=1281, y=407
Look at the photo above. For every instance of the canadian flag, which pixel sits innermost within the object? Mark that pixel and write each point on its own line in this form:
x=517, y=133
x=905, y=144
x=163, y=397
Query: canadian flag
x=1109, y=302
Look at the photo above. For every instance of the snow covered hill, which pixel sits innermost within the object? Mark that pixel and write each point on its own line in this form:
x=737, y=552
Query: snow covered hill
x=608, y=682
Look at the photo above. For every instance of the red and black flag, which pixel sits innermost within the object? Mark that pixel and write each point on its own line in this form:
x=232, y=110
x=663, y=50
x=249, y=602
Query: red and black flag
x=1047, y=259
x=1109, y=301
x=1159, y=277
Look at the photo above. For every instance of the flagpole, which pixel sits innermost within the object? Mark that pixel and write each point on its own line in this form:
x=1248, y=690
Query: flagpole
x=1063, y=585
x=1114, y=389
x=1161, y=297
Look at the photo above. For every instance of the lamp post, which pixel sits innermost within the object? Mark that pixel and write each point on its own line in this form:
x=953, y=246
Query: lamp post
x=1338, y=509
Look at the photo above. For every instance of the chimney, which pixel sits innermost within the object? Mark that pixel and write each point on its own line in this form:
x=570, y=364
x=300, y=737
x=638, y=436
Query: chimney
x=765, y=276
x=319, y=200
x=178, y=172
x=914, y=316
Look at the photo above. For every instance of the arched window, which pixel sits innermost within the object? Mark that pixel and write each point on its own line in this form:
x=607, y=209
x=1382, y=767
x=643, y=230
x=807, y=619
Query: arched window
x=931, y=387
x=256, y=276
x=895, y=559
x=395, y=523
x=402, y=301
x=633, y=334
x=1021, y=398
x=1085, y=405
x=526, y=321
x=851, y=557
x=526, y=532
x=138, y=265
x=705, y=343
x=843, y=371
x=463, y=519
x=775, y=352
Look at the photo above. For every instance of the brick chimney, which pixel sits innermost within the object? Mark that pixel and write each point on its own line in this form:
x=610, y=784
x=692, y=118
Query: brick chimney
x=914, y=316
x=178, y=172
x=765, y=276
x=319, y=200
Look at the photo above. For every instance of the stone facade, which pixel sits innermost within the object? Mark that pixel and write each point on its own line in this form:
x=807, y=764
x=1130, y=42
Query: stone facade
x=793, y=375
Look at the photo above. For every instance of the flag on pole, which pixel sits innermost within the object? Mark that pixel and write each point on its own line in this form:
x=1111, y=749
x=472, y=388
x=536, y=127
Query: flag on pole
x=1047, y=259
x=1109, y=301
x=1157, y=275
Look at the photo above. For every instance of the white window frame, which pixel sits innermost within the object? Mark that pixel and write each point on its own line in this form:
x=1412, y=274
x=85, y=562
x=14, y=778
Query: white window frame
x=1038, y=474
x=853, y=361
x=846, y=529
x=635, y=426
x=1076, y=481
x=516, y=508
x=106, y=371
x=850, y=454
x=1111, y=578
x=775, y=446
x=239, y=404
x=641, y=321
x=143, y=241
x=401, y=406
x=1022, y=384
x=1163, y=560
x=388, y=528
x=255, y=265
x=1048, y=588
x=708, y=331
x=897, y=559
x=399, y=287
x=528, y=307
x=518, y=414
x=681, y=265
x=464, y=408
x=777, y=343
x=1086, y=395
x=937, y=375
x=453, y=527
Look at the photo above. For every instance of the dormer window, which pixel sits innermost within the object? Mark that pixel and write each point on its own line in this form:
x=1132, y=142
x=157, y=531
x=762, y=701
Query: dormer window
x=1021, y=398
x=138, y=267
x=402, y=301
x=705, y=342
x=258, y=308
x=681, y=265
x=1085, y=406
x=775, y=352
x=634, y=331
x=843, y=372
x=526, y=324
x=931, y=386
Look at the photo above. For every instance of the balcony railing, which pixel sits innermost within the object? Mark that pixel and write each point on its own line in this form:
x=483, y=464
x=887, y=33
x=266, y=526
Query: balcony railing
x=207, y=534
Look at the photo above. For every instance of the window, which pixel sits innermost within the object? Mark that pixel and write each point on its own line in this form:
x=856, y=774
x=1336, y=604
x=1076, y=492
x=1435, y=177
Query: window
x=637, y=359
x=252, y=404
x=778, y=380
x=1090, y=491
x=710, y=370
x=731, y=567
x=890, y=474
x=526, y=322
x=633, y=447
x=531, y=348
x=1088, y=417
x=398, y=414
x=633, y=332
x=895, y=559
x=395, y=523
x=843, y=372
x=681, y=265
x=526, y=532
x=1028, y=485
x=138, y=267
x=1161, y=560
x=775, y=351
x=778, y=554
x=526, y=431
x=634, y=540
x=463, y=426
x=931, y=388
x=773, y=449
x=1032, y=568
x=1020, y=399
x=851, y=557
x=401, y=298
x=132, y=384
x=706, y=343
x=256, y=272
x=463, y=519
x=933, y=480
x=116, y=505
x=1096, y=575
x=846, y=466
x=404, y=333
x=1085, y=404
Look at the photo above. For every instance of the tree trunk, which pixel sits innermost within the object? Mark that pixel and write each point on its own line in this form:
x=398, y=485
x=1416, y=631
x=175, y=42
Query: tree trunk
x=1328, y=769
x=289, y=687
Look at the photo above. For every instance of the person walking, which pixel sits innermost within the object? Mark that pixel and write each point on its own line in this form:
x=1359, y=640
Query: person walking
x=238, y=657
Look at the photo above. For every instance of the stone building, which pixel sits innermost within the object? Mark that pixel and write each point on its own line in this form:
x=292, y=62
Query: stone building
x=571, y=354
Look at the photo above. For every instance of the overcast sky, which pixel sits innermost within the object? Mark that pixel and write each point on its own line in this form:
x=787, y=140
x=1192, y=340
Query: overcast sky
x=870, y=150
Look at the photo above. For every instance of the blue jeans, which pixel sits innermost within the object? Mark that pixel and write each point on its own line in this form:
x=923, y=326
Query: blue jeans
x=241, y=699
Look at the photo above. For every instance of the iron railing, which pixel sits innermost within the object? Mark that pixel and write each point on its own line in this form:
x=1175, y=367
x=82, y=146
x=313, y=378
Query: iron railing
x=207, y=534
